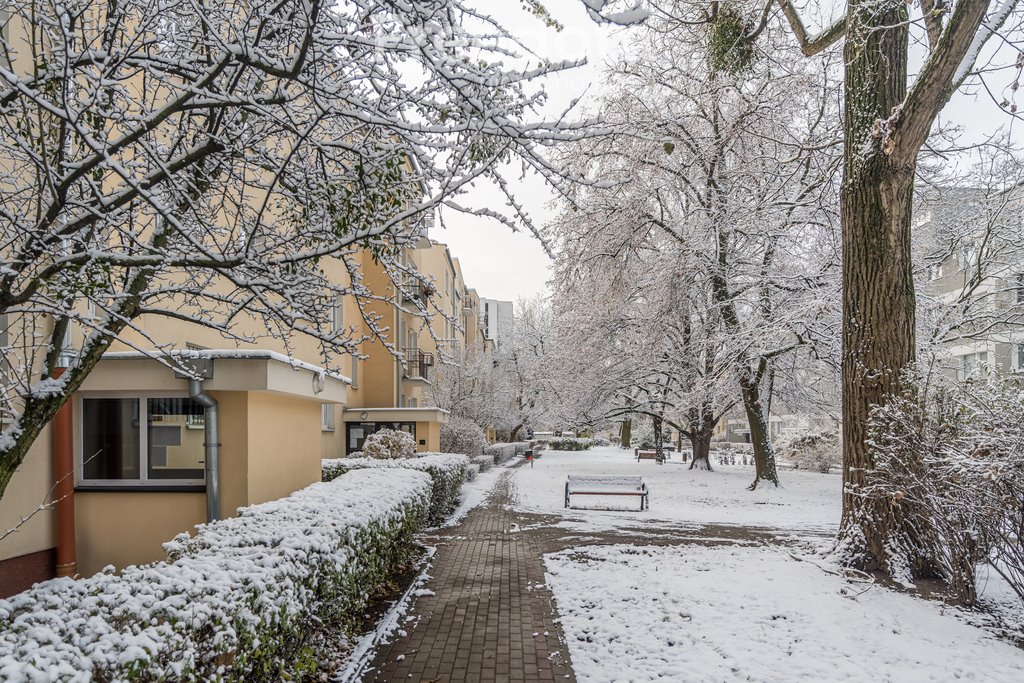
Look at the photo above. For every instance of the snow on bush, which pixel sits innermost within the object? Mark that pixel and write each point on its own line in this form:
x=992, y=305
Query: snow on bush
x=248, y=598
x=501, y=452
x=950, y=455
x=484, y=462
x=460, y=435
x=569, y=444
x=521, y=447
x=817, y=451
x=472, y=471
x=388, y=444
x=446, y=470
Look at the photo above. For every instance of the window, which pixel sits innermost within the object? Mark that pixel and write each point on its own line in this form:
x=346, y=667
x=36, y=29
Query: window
x=1020, y=357
x=142, y=441
x=1020, y=288
x=338, y=313
x=355, y=372
x=974, y=363
x=934, y=271
x=327, y=417
x=356, y=432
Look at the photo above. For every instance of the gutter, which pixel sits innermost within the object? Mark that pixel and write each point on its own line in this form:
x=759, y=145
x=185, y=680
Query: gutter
x=212, y=447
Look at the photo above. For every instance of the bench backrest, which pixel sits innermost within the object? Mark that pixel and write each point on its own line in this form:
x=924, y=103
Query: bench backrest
x=624, y=481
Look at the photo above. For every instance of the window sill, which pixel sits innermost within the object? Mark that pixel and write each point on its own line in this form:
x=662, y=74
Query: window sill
x=136, y=488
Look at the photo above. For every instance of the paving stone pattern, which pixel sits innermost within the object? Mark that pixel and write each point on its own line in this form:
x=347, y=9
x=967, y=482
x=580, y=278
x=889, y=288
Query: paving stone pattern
x=490, y=618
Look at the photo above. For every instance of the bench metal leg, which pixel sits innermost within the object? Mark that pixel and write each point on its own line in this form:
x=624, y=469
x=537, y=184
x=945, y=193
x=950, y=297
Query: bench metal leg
x=566, y=494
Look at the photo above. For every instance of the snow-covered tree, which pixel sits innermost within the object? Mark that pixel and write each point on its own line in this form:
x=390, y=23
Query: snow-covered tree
x=716, y=221
x=225, y=162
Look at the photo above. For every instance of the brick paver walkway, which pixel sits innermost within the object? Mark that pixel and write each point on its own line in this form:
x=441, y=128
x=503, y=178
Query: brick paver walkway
x=490, y=618
x=487, y=615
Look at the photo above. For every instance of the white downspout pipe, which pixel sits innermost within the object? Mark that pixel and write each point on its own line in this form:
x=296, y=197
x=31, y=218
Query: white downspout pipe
x=212, y=446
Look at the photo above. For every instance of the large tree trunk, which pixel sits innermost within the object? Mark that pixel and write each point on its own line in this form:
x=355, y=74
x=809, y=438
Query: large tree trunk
x=702, y=428
x=626, y=433
x=701, y=444
x=878, y=285
x=659, y=446
x=757, y=421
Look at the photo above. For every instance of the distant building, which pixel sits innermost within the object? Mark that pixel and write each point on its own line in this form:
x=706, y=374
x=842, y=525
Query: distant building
x=973, y=270
x=498, y=319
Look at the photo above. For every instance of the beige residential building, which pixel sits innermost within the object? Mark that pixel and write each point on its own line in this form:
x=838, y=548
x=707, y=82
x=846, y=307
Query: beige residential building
x=151, y=453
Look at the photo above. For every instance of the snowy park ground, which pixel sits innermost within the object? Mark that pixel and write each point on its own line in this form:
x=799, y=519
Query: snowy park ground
x=741, y=611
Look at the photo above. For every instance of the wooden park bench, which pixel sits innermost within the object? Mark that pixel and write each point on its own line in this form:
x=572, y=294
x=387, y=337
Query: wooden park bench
x=651, y=454
x=606, y=485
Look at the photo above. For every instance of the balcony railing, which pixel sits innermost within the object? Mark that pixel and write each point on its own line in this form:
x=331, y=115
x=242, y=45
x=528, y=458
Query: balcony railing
x=415, y=290
x=417, y=364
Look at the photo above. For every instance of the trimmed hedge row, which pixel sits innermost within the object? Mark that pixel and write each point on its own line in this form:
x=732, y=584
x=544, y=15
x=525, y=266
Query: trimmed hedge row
x=569, y=444
x=249, y=598
x=501, y=452
x=446, y=470
x=484, y=462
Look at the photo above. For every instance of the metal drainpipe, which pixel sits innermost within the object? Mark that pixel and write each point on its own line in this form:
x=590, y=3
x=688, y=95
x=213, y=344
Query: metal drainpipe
x=64, y=489
x=212, y=446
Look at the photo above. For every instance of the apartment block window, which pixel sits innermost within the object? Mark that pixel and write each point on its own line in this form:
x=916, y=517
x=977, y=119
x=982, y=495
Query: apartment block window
x=355, y=372
x=934, y=271
x=974, y=363
x=141, y=441
x=1020, y=357
x=327, y=411
x=1020, y=288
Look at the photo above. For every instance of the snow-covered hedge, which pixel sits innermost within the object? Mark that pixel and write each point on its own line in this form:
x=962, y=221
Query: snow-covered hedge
x=446, y=470
x=385, y=444
x=501, y=452
x=484, y=462
x=472, y=471
x=817, y=451
x=460, y=435
x=569, y=444
x=246, y=598
x=521, y=447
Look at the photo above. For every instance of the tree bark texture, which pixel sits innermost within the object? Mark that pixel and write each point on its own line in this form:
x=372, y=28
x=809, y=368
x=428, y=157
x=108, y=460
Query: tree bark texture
x=760, y=437
x=626, y=433
x=702, y=428
x=878, y=286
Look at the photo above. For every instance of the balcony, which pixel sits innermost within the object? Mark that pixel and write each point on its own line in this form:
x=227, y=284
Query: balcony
x=417, y=364
x=414, y=290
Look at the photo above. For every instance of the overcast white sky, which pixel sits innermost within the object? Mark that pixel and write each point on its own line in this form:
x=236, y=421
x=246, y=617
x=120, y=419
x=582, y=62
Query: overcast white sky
x=502, y=264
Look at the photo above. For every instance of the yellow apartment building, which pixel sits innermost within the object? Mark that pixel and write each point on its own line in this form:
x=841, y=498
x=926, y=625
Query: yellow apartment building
x=151, y=453
x=432, y=314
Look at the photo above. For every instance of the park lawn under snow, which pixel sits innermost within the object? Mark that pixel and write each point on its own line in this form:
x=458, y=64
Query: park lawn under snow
x=742, y=613
x=805, y=500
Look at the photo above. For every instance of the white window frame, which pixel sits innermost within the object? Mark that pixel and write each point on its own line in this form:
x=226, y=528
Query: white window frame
x=144, y=481
x=338, y=313
x=327, y=417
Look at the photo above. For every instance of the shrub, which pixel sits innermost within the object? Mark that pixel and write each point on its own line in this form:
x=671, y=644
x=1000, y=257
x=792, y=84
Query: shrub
x=501, y=452
x=388, y=444
x=460, y=435
x=447, y=472
x=569, y=444
x=521, y=447
x=249, y=598
x=950, y=458
x=818, y=451
x=472, y=471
